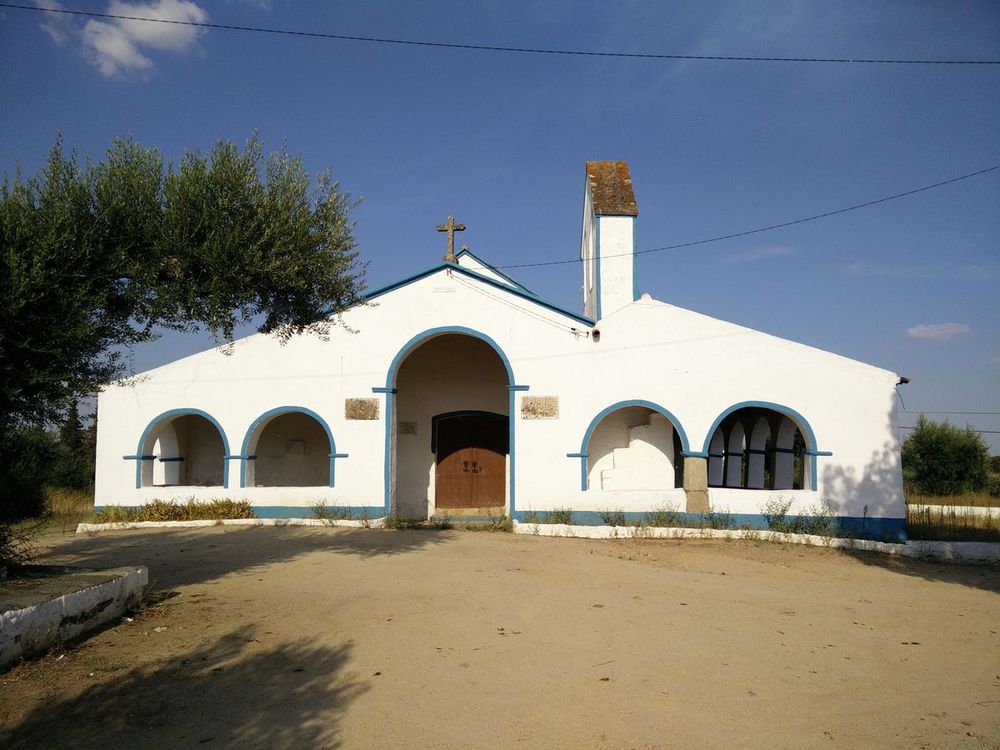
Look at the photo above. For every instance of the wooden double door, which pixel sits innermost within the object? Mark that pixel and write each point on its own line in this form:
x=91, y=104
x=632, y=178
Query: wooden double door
x=471, y=450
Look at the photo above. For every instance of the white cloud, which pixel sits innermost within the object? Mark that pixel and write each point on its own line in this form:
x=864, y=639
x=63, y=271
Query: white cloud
x=760, y=253
x=57, y=25
x=937, y=331
x=995, y=361
x=119, y=46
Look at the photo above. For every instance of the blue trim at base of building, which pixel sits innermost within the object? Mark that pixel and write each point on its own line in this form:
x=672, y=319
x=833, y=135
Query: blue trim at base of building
x=879, y=529
x=305, y=511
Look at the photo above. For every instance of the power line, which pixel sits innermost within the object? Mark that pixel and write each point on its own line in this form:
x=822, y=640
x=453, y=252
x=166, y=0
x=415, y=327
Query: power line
x=980, y=413
x=981, y=432
x=770, y=227
x=496, y=48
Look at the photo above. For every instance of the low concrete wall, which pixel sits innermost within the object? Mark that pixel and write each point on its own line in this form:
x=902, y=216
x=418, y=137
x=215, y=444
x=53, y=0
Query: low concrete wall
x=963, y=552
x=374, y=523
x=103, y=596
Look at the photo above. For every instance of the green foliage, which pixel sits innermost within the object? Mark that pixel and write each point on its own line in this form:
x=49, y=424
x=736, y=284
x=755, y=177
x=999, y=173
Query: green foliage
x=663, y=516
x=556, y=515
x=995, y=464
x=775, y=512
x=95, y=257
x=718, y=519
x=940, y=459
x=171, y=510
x=398, y=523
x=330, y=513
x=16, y=544
x=613, y=517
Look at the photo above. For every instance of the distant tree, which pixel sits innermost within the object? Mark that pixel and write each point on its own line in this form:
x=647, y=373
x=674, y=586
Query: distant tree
x=995, y=464
x=941, y=459
x=96, y=257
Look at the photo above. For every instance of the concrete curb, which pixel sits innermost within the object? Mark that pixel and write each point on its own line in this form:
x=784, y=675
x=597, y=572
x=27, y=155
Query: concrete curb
x=33, y=629
x=375, y=523
x=960, y=552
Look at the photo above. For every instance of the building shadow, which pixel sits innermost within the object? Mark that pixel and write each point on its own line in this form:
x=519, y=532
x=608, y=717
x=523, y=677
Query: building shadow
x=985, y=577
x=228, y=693
x=177, y=557
x=880, y=488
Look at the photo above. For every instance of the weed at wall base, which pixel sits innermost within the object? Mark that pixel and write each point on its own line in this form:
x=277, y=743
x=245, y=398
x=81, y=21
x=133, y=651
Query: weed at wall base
x=172, y=510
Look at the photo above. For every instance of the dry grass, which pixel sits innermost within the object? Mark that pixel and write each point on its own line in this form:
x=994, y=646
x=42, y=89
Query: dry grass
x=66, y=508
x=171, y=510
x=952, y=525
x=978, y=500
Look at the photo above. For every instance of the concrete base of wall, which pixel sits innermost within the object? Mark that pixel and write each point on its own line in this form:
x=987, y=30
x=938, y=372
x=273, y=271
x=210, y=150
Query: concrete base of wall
x=69, y=603
x=957, y=552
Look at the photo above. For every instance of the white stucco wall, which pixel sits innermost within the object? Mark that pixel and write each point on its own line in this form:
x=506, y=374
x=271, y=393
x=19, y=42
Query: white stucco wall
x=691, y=365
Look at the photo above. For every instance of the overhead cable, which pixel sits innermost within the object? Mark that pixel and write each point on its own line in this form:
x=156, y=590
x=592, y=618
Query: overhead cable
x=494, y=47
x=768, y=228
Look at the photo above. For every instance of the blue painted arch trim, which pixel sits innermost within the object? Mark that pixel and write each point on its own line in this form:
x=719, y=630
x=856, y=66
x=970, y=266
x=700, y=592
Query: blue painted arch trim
x=171, y=414
x=801, y=422
x=266, y=417
x=584, y=453
x=391, y=393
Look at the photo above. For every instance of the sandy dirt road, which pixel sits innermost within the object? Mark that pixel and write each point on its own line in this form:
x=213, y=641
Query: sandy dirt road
x=324, y=637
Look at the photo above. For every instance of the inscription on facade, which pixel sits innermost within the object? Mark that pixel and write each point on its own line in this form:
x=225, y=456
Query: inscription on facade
x=540, y=407
x=361, y=408
x=407, y=428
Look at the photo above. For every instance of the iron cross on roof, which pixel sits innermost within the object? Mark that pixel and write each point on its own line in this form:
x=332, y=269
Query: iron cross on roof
x=451, y=227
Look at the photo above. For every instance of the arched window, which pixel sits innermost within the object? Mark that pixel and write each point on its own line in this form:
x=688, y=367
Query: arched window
x=764, y=449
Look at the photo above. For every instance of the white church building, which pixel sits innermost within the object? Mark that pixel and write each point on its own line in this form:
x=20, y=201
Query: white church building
x=457, y=391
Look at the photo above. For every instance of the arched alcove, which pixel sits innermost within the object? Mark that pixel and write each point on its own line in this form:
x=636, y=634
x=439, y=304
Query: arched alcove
x=633, y=446
x=183, y=448
x=288, y=447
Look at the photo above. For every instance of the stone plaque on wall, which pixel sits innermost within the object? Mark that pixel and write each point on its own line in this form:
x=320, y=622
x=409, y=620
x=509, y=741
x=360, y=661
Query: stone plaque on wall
x=407, y=428
x=540, y=407
x=361, y=408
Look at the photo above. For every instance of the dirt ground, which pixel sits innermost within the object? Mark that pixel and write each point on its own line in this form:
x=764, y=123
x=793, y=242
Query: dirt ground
x=328, y=637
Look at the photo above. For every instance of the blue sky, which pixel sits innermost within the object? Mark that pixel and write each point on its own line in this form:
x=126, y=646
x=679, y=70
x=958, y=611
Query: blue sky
x=500, y=140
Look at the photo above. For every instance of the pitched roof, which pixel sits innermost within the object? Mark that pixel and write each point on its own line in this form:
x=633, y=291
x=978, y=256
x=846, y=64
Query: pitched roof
x=611, y=188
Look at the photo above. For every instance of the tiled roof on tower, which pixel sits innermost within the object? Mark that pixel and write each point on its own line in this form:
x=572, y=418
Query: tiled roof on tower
x=611, y=188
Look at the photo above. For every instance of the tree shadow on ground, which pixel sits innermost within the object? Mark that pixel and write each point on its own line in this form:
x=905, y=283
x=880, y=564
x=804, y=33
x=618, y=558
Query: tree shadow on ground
x=176, y=557
x=985, y=577
x=230, y=692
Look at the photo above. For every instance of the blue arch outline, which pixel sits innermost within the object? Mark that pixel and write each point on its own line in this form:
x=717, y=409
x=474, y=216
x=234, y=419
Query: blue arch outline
x=801, y=422
x=173, y=414
x=277, y=411
x=390, y=394
x=584, y=454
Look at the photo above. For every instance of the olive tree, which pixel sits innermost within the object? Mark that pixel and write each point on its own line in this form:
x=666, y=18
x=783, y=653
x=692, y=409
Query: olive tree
x=95, y=257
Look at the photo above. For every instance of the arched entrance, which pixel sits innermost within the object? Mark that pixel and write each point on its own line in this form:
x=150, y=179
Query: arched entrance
x=450, y=427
